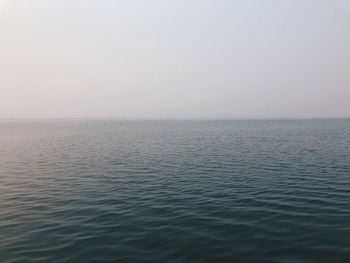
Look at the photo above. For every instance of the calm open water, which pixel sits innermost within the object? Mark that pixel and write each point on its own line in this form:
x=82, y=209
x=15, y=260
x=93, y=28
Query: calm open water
x=175, y=191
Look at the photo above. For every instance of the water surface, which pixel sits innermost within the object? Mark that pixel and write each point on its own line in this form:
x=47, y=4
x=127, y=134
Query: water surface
x=175, y=191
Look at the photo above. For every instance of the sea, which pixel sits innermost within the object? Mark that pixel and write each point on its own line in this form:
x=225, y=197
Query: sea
x=174, y=191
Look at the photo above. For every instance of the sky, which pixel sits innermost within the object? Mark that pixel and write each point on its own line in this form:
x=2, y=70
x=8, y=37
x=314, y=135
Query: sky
x=174, y=59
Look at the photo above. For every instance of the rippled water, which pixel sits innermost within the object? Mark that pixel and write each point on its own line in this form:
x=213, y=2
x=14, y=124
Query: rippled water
x=175, y=191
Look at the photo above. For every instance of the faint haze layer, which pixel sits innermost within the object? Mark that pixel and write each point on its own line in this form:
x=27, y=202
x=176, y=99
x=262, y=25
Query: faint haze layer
x=175, y=59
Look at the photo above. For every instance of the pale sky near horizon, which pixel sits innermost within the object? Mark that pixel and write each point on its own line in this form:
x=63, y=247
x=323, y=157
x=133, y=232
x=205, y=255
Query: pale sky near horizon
x=174, y=59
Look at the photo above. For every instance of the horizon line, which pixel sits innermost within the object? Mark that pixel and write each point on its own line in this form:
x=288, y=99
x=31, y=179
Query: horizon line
x=172, y=118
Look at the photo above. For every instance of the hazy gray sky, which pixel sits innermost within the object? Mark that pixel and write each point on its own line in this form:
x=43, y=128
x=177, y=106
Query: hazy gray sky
x=174, y=58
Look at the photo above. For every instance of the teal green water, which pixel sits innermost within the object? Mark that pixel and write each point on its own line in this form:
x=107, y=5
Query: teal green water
x=175, y=191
